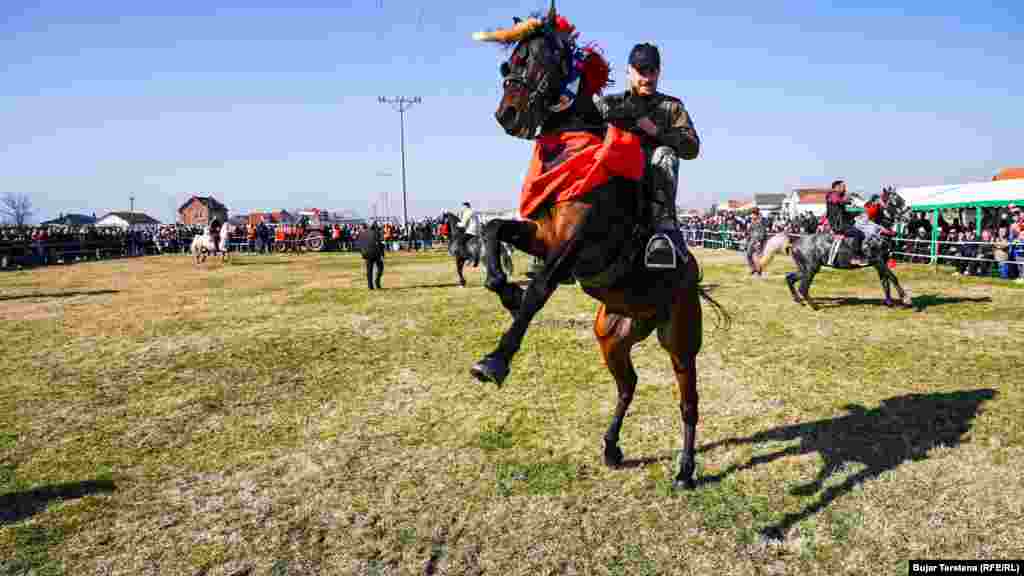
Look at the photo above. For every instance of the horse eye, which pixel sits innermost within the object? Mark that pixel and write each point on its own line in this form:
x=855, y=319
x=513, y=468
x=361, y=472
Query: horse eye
x=505, y=69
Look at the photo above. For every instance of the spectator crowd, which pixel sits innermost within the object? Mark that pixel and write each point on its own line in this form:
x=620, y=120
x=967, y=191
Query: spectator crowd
x=997, y=251
x=25, y=246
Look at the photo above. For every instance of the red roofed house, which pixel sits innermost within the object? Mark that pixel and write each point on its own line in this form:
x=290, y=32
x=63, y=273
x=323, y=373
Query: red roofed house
x=1009, y=174
x=809, y=199
x=200, y=210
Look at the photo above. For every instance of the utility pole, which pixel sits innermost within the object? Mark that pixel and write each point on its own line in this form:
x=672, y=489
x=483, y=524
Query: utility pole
x=131, y=201
x=401, y=104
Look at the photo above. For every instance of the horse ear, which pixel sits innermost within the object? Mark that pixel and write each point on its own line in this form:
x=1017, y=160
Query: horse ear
x=552, y=13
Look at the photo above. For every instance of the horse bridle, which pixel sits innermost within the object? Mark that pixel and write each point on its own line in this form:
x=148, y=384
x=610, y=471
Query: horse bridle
x=535, y=92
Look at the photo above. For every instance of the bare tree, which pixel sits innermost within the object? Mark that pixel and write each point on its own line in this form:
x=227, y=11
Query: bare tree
x=15, y=208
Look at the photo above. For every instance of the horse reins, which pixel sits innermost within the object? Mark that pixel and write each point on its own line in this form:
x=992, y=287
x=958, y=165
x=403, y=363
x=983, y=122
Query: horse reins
x=535, y=92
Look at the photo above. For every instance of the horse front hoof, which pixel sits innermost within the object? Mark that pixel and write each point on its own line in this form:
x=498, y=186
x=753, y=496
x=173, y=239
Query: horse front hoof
x=888, y=303
x=684, y=484
x=490, y=369
x=613, y=456
x=497, y=283
x=684, y=479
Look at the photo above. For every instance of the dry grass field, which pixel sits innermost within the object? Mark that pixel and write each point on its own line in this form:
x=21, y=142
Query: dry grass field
x=271, y=416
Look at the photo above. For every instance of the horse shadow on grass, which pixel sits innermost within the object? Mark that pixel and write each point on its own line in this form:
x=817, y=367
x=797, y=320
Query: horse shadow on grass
x=59, y=294
x=17, y=506
x=445, y=285
x=920, y=303
x=264, y=263
x=424, y=286
x=903, y=428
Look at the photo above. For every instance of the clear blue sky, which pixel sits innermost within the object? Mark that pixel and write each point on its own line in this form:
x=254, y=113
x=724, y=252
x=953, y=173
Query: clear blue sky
x=268, y=105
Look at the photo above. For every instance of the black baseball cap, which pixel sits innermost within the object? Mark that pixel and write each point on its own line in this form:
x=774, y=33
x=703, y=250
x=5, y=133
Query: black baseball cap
x=645, y=57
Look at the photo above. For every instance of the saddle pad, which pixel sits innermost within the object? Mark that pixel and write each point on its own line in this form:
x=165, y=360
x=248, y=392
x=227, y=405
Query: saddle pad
x=568, y=165
x=835, y=250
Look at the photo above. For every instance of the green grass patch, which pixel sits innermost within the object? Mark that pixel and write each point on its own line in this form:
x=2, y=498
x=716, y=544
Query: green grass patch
x=32, y=545
x=632, y=561
x=8, y=440
x=273, y=415
x=536, y=478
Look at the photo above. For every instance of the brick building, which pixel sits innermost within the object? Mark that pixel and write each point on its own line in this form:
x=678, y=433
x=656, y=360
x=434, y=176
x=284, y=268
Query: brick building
x=201, y=209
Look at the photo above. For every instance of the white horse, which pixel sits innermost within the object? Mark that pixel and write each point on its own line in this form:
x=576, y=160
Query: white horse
x=774, y=244
x=202, y=245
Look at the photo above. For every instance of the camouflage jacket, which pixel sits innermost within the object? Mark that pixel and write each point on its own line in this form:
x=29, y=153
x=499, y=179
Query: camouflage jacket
x=675, y=127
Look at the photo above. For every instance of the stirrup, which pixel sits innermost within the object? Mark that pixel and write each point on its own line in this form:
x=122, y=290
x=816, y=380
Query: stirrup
x=655, y=257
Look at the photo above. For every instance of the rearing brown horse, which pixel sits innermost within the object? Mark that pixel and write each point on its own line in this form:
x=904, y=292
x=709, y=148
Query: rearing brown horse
x=595, y=237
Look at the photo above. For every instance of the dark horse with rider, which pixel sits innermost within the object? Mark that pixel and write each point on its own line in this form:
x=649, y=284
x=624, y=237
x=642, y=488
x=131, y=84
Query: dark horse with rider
x=466, y=246
x=599, y=206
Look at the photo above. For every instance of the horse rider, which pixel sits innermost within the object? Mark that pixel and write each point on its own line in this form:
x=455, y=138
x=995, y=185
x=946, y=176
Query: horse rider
x=668, y=134
x=869, y=225
x=468, y=226
x=469, y=222
x=757, y=235
x=836, y=202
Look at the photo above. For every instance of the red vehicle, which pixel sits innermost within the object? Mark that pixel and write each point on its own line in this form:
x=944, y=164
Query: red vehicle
x=300, y=237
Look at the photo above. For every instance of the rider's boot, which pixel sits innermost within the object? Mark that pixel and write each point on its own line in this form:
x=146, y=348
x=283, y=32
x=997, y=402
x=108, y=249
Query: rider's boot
x=667, y=247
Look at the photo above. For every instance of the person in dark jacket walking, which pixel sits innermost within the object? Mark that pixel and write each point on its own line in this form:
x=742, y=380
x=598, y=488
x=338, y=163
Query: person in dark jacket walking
x=371, y=246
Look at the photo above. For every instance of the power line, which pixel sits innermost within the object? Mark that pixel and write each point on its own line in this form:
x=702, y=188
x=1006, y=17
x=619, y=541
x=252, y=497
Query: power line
x=401, y=104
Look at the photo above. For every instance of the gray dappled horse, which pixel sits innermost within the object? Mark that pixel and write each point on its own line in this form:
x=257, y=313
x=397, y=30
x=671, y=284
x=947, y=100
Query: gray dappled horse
x=813, y=252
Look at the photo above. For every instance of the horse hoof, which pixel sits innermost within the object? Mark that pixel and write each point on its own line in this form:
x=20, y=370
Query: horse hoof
x=613, y=456
x=888, y=303
x=683, y=484
x=684, y=479
x=496, y=284
x=490, y=369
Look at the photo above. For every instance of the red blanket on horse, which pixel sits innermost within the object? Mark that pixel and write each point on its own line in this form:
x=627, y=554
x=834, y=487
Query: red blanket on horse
x=568, y=165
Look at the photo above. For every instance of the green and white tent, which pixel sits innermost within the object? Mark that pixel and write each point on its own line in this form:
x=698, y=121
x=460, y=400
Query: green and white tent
x=977, y=194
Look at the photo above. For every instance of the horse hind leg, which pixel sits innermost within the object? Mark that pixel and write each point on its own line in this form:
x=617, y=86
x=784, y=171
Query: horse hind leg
x=805, y=285
x=793, y=277
x=808, y=269
x=616, y=336
x=681, y=338
x=459, y=263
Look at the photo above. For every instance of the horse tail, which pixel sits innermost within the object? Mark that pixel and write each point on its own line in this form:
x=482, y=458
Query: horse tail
x=771, y=247
x=722, y=317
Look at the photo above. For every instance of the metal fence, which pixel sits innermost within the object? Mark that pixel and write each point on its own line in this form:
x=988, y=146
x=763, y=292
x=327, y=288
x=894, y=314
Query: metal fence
x=965, y=257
